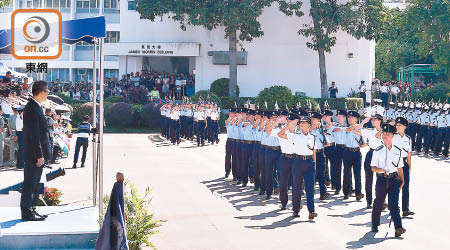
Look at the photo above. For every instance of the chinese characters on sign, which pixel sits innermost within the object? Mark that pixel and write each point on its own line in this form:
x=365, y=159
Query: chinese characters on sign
x=151, y=49
x=36, y=67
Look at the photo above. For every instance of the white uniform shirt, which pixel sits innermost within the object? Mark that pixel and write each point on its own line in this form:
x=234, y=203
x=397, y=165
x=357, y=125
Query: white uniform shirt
x=395, y=90
x=404, y=143
x=175, y=115
x=200, y=115
x=287, y=146
x=214, y=115
x=19, y=123
x=384, y=89
x=303, y=144
x=362, y=88
x=441, y=121
x=389, y=160
x=369, y=135
x=379, y=110
x=6, y=108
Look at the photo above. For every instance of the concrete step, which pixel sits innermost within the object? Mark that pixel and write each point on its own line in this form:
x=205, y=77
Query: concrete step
x=67, y=227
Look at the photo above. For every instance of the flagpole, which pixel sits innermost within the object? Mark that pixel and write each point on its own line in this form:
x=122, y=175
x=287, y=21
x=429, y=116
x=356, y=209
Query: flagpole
x=101, y=125
x=94, y=125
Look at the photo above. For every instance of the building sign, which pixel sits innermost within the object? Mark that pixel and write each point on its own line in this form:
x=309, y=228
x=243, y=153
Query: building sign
x=152, y=49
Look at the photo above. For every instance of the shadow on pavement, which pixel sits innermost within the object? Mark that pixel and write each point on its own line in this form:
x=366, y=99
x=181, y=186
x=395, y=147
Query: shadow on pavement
x=367, y=239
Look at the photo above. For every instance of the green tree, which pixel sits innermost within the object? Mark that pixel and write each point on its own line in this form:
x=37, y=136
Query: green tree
x=359, y=18
x=4, y=3
x=238, y=17
x=430, y=20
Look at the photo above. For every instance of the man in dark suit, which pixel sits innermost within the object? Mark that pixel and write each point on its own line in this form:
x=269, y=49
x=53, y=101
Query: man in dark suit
x=36, y=150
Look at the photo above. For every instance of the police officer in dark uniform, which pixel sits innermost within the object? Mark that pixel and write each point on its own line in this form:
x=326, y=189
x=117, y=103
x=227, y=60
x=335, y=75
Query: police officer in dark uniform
x=386, y=163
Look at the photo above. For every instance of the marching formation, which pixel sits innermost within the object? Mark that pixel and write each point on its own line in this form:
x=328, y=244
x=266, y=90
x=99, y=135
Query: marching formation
x=188, y=119
x=282, y=149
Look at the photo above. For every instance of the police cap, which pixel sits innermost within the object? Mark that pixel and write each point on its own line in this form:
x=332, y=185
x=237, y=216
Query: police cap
x=402, y=121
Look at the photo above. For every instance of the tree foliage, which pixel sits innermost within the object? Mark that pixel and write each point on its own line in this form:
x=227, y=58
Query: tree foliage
x=4, y=3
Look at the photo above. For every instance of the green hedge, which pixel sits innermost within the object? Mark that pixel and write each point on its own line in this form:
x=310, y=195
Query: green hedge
x=114, y=99
x=220, y=87
x=339, y=103
x=439, y=92
x=283, y=96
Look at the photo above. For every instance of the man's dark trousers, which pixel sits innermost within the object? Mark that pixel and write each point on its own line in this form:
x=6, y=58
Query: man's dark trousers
x=369, y=176
x=81, y=142
x=427, y=139
x=272, y=156
x=32, y=176
x=446, y=141
x=239, y=160
x=439, y=139
x=320, y=170
x=234, y=159
x=423, y=129
x=262, y=168
x=247, y=150
x=405, y=189
x=337, y=167
x=329, y=153
x=300, y=169
x=256, y=171
x=387, y=186
x=228, y=156
x=286, y=170
x=200, y=132
x=352, y=161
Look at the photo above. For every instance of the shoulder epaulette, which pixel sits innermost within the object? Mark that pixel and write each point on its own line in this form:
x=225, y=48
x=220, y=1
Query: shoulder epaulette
x=379, y=148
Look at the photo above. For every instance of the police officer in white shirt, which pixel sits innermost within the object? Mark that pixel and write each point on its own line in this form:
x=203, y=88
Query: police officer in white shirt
x=200, y=118
x=287, y=159
x=328, y=127
x=321, y=142
x=19, y=133
x=378, y=108
x=384, y=94
x=403, y=141
x=447, y=135
x=339, y=136
x=395, y=90
x=228, y=144
x=273, y=152
x=175, y=125
x=214, y=129
x=440, y=134
x=261, y=174
x=372, y=138
x=424, y=130
x=389, y=113
x=303, y=165
x=386, y=162
x=257, y=134
x=362, y=92
x=247, y=145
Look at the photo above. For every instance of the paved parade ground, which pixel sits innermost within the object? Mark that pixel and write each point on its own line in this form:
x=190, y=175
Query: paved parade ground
x=203, y=211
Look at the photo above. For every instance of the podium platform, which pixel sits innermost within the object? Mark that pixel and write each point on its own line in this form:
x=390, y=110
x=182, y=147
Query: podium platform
x=67, y=227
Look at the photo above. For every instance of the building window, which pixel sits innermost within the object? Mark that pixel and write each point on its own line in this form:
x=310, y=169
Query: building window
x=112, y=37
x=111, y=73
x=58, y=4
x=87, y=4
x=131, y=5
x=110, y=4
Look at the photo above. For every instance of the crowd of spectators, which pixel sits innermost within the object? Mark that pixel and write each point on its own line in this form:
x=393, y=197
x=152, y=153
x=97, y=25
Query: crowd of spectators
x=175, y=85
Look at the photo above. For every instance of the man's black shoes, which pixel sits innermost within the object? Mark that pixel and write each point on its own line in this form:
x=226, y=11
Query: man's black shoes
x=32, y=217
x=399, y=231
x=407, y=213
x=39, y=215
x=324, y=196
x=74, y=166
x=312, y=215
x=295, y=215
x=375, y=229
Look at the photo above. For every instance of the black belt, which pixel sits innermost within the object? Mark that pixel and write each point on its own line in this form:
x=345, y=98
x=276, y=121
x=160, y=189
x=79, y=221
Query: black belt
x=340, y=145
x=248, y=142
x=304, y=157
x=200, y=120
x=391, y=175
x=319, y=150
x=290, y=156
x=352, y=149
x=272, y=147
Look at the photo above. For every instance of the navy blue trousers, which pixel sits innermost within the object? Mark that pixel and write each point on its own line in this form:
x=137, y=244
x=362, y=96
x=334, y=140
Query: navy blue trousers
x=391, y=187
x=405, y=189
x=446, y=142
x=200, y=132
x=303, y=169
x=369, y=177
x=247, y=150
x=239, y=160
x=256, y=170
x=285, y=174
x=352, y=161
x=271, y=159
x=329, y=154
x=261, y=171
x=439, y=136
x=320, y=172
x=228, y=154
x=234, y=159
x=337, y=167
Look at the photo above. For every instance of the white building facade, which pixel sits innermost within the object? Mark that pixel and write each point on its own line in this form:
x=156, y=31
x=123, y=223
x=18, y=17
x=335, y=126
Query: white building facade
x=280, y=57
